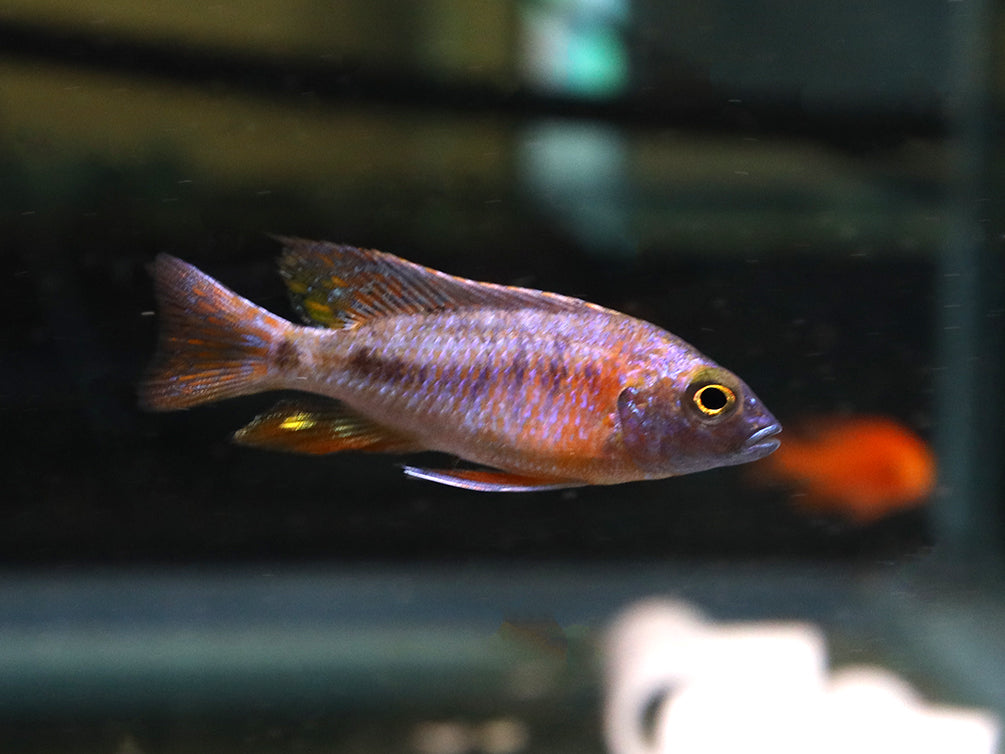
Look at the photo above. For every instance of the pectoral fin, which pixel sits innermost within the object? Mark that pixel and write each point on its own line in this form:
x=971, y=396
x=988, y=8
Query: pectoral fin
x=319, y=427
x=488, y=480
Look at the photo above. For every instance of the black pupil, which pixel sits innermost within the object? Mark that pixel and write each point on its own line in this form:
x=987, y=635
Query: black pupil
x=713, y=399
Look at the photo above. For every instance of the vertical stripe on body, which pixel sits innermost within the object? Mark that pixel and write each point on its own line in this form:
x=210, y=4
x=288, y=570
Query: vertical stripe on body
x=524, y=390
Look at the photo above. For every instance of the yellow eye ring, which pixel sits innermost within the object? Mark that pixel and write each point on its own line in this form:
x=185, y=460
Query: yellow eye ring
x=714, y=399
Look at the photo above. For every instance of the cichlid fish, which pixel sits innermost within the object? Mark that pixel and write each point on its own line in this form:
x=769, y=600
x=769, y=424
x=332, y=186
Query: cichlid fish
x=545, y=390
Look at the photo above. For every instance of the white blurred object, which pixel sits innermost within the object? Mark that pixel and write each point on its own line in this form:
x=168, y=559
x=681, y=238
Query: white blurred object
x=878, y=706
x=761, y=687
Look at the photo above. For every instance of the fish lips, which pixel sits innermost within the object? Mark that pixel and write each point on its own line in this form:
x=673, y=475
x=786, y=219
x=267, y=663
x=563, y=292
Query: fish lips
x=762, y=442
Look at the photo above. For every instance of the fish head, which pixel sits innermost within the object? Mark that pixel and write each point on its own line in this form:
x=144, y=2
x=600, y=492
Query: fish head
x=696, y=419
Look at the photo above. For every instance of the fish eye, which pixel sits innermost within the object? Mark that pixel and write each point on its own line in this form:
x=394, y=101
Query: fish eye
x=714, y=400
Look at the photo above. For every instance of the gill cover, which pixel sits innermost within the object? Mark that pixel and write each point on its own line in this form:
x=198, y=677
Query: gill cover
x=672, y=428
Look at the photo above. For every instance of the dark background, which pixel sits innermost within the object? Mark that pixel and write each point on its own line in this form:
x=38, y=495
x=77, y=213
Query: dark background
x=779, y=206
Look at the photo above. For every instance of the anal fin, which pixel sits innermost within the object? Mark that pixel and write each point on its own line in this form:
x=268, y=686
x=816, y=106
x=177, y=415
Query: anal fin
x=319, y=427
x=488, y=480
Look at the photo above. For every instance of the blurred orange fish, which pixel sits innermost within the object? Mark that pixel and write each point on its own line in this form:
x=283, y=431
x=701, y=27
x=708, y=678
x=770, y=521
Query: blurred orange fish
x=545, y=390
x=861, y=468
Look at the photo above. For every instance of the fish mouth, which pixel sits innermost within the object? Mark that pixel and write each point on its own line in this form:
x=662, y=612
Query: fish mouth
x=763, y=441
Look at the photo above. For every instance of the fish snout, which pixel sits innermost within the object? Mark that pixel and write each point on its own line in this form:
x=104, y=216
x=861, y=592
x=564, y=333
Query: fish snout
x=762, y=441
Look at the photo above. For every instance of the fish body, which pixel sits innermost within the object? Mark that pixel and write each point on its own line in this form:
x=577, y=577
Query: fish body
x=545, y=390
x=860, y=468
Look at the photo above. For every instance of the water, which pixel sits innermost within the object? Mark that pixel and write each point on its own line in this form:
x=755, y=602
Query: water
x=808, y=198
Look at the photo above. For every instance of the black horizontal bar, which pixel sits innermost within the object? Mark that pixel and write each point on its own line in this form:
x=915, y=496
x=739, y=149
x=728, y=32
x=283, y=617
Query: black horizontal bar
x=329, y=81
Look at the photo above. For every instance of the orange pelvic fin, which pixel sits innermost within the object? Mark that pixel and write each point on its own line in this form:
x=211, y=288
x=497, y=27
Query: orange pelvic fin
x=213, y=343
x=319, y=427
x=488, y=480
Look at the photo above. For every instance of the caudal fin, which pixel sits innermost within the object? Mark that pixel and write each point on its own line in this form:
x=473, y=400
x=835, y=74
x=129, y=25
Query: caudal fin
x=213, y=343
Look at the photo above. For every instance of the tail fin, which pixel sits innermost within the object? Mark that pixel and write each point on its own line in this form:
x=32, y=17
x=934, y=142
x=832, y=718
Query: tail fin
x=213, y=343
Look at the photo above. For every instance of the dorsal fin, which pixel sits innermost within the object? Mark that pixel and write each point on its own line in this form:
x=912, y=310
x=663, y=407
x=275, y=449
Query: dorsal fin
x=337, y=286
